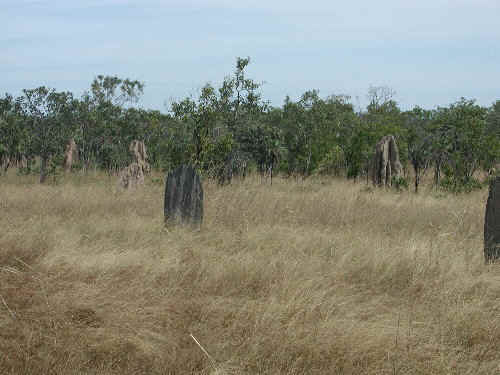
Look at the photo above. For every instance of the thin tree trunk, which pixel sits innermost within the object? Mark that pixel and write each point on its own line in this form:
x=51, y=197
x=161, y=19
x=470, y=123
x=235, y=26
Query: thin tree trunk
x=43, y=169
x=437, y=174
x=5, y=164
x=416, y=169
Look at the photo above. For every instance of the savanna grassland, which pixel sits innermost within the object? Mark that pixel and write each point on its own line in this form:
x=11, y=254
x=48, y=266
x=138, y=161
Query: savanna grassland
x=321, y=276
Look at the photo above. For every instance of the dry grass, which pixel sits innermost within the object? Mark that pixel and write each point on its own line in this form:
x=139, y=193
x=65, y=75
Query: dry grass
x=315, y=277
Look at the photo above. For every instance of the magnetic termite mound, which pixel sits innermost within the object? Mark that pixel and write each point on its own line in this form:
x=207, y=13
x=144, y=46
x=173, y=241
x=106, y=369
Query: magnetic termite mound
x=492, y=223
x=183, y=197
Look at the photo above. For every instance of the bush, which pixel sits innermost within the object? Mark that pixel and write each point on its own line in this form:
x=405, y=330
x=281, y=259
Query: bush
x=456, y=185
x=333, y=163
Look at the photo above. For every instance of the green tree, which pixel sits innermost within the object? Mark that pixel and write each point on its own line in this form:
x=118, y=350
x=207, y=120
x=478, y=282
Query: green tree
x=200, y=118
x=418, y=140
x=240, y=98
x=224, y=120
x=492, y=159
x=13, y=133
x=333, y=162
x=88, y=135
x=50, y=115
x=264, y=144
x=359, y=137
x=385, y=117
x=105, y=126
x=359, y=148
x=313, y=127
x=464, y=139
x=117, y=91
x=383, y=111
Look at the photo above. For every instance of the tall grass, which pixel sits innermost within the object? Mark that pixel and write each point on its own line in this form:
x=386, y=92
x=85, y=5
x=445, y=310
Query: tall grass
x=310, y=277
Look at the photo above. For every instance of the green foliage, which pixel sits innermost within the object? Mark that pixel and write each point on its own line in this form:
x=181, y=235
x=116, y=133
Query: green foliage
x=50, y=120
x=313, y=126
x=200, y=119
x=492, y=142
x=214, y=155
x=117, y=91
x=232, y=110
x=263, y=143
x=418, y=141
x=333, y=163
x=13, y=133
x=451, y=184
x=384, y=114
x=463, y=142
x=167, y=141
x=359, y=149
x=105, y=128
x=232, y=124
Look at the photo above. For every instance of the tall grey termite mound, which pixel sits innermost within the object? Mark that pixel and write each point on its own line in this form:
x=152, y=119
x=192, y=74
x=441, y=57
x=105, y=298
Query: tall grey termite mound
x=70, y=155
x=385, y=163
x=133, y=175
x=492, y=223
x=183, y=197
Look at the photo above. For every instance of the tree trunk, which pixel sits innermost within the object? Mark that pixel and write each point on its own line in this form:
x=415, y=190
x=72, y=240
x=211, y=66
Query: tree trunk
x=43, y=168
x=437, y=174
x=416, y=169
x=5, y=163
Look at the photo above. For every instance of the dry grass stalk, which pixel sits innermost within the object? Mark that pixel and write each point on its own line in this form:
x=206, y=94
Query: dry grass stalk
x=298, y=277
x=211, y=359
x=12, y=314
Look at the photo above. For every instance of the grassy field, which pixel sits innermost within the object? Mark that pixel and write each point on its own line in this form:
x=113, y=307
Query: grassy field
x=301, y=277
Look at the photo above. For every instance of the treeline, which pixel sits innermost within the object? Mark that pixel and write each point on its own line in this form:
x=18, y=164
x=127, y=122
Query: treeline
x=230, y=129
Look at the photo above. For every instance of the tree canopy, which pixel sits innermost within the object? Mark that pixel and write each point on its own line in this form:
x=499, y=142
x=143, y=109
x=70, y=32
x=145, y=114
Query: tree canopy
x=232, y=121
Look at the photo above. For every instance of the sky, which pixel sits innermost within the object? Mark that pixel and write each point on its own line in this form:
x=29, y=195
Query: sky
x=430, y=52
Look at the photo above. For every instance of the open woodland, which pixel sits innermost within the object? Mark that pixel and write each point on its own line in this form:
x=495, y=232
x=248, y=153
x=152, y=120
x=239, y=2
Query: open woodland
x=319, y=272
x=231, y=129
x=314, y=276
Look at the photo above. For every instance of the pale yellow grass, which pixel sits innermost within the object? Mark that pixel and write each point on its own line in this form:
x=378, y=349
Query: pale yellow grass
x=315, y=277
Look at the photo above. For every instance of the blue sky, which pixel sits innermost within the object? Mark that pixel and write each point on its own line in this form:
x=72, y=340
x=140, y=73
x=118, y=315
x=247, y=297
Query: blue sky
x=431, y=52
